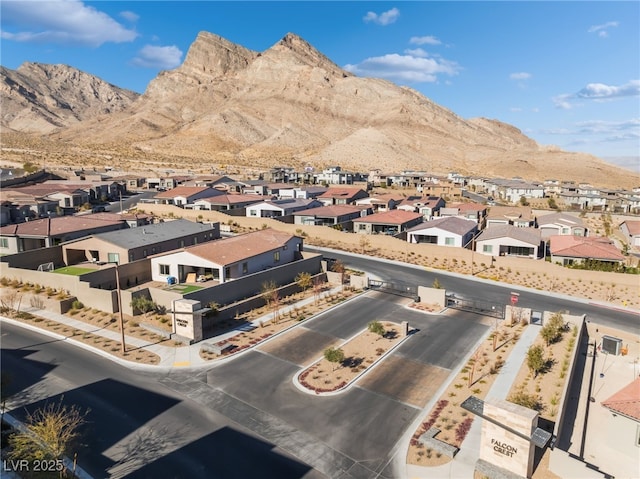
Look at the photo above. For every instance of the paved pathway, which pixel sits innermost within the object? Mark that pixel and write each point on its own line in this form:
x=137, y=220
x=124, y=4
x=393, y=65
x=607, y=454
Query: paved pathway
x=463, y=465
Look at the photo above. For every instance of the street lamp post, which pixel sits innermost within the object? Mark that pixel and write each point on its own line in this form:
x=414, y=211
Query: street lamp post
x=124, y=349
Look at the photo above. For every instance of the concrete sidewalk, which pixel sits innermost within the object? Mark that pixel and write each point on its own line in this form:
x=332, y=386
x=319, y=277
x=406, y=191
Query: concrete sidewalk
x=170, y=357
x=464, y=464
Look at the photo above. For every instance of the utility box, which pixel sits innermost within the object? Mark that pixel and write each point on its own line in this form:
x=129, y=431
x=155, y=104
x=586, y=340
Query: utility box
x=611, y=345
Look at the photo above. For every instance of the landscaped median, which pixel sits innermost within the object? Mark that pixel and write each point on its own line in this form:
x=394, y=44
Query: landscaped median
x=342, y=366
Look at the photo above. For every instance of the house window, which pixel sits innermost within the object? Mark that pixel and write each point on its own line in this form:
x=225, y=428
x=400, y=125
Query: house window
x=4, y=242
x=565, y=231
x=130, y=257
x=449, y=241
x=362, y=227
x=245, y=267
x=113, y=258
x=276, y=256
x=487, y=248
x=164, y=269
x=253, y=213
x=181, y=244
x=144, y=253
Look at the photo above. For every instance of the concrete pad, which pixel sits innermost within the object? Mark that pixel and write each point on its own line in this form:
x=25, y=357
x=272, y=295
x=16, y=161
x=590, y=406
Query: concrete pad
x=411, y=382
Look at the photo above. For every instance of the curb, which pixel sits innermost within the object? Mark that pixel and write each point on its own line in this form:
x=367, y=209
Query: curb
x=352, y=383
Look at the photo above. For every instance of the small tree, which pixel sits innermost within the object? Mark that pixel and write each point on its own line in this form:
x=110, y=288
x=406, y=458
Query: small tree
x=535, y=359
x=334, y=355
x=317, y=288
x=376, y=327
x=552, y=204
x=552, y=330
x=271, y=297
x=364, y=243
x=143, y=304
x=304, y=280
x=436, y=284
x=51, y=433
x=524, y=201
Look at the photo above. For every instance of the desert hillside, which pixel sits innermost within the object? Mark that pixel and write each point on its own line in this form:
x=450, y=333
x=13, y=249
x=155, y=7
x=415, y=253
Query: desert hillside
x=288, y=105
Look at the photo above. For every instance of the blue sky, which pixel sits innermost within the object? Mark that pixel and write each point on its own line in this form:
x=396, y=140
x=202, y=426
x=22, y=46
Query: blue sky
x=565, y=73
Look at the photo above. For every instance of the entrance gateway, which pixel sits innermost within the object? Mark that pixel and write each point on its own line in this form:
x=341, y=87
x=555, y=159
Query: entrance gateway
x=475, y=305
x=395, y=287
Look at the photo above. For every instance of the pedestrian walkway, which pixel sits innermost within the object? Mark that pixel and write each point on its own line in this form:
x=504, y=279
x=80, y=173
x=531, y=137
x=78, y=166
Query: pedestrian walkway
x=464, y=464
x=170, y=357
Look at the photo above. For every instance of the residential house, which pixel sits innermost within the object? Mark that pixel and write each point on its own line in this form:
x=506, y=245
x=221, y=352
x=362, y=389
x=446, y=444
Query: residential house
x=279, y=208
x=212, y=181
x=132, y=244
x=467, y=211
x=567, y=250
x=622, y=430
x=229, y=258
x=186, y=195
x=97, y=190
x=66, y=196
x=165, y=182
x=391, y=222
x=378, y=178
x=381, y=202
x=509, y=240
x=130, y=182
x=340, y=216
x=226, y=202
x=45, y=232
x=631, y=231
x=427, y=206
x=519, y=216
x=561, y=224
x=409, y=179
x=439, y=187
x=23, y=206
x=452, y=231
x=514, y=189
x=632, y=200
x=336, y=195
x=304, y=192
x=334, y=176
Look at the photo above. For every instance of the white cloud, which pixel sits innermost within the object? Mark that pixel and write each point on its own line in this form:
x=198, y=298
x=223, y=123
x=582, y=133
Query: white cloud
x=427, y=40
x=629, y=128
x=385, y=18
x=130, y=16
x=597, y=92
x=404, y=68
x=515, y=109
x=520, y=76
x=600, y=91
x=602, y=30
x=417, y=52
x=69, y=21
x=151, y=56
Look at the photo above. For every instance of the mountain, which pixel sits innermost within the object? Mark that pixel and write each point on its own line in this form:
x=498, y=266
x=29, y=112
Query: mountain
x=38, y=98
x=292, y=105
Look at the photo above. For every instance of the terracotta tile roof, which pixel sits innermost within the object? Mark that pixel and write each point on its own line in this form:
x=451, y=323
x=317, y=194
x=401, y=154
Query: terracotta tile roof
x=633, y=227
x=626, y=401
x=471, y=207
x=59, y=225
x=587, y=247
x=238, y=248
x=393, y=217
x=183, y=191
x=234, y=199
x=340, y=192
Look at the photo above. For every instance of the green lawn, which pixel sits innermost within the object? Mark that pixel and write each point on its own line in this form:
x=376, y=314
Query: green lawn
x=73, y=270
x=184, y=288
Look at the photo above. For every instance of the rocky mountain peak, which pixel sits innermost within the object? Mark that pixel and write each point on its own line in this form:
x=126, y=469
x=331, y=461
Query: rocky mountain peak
x=306, y=54
x=212, y=56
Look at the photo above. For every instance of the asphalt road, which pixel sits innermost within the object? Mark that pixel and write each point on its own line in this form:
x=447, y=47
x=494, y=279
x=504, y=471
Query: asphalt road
x=487, y=291
x=136, y=427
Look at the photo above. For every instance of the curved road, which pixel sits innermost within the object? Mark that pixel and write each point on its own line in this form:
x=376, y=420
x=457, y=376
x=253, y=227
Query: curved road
x=465, y=286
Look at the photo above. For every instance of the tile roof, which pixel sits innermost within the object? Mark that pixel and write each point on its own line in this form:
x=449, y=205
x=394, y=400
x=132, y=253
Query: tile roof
x=527, y=235
x=626, y=401
x=238, y=248
x=59, y=225
x=524, y=213
x=340, y=192
x=587, y=247
x=633, y=227
x=453, y=224
x=152, y=234
x=560, y=218
x=233, y=199
x=185, y=191
x=393, y=217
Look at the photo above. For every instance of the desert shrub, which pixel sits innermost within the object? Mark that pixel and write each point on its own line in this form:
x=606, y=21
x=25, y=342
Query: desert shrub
x=531, y=401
